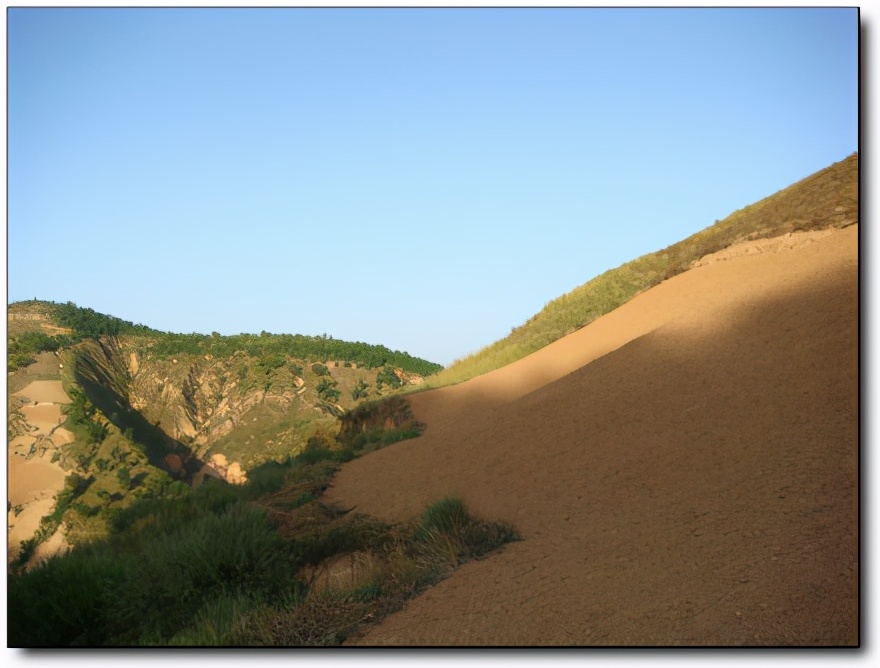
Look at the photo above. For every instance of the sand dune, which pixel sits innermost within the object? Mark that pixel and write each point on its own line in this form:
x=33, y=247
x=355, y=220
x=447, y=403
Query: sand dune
x=683, y=470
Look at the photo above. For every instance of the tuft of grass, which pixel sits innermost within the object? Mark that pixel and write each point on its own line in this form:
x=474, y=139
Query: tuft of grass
x=216, y=623
x=448, y=516
x=375, y=424
x=448, y=533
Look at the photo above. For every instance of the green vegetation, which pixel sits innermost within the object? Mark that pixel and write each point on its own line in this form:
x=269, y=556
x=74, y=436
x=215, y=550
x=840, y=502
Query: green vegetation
x=361, y=390
x=270, y=348
x=242, y=566
x=826, y=199
x=130, y=429
x=375, y=424
x=87, y=323
x=327, y=390
x=79, y=323
x=81, y=414
x=298, y=346
x=387, y=377
x=22, y=348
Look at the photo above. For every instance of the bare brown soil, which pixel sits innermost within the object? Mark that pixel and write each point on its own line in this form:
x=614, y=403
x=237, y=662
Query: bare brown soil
x=33, y=481
x=45, y=391
x=43, y=418
x=684, y=470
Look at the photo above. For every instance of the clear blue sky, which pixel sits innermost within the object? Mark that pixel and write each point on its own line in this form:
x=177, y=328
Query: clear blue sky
x=425, y=178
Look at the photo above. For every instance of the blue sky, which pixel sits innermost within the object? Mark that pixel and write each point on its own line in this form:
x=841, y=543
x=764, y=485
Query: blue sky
x=424, y=178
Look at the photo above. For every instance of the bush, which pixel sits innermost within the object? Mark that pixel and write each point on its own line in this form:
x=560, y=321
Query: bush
x=23, y=347
x=387, y=377
x=362, y=389
x=327, y=390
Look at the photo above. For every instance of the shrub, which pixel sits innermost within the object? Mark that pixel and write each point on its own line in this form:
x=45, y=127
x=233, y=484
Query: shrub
x=387, y=377
x=362, y=389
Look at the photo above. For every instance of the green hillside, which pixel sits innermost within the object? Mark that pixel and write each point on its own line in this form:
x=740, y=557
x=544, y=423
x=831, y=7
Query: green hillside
x=153, y=410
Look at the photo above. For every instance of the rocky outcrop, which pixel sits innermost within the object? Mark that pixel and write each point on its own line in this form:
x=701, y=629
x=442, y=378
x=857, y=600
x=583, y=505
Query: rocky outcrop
x=409, y=378
x=219, y=468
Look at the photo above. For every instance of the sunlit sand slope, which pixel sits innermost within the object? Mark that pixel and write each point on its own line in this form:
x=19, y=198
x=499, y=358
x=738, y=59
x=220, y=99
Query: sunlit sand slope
x=683, y=470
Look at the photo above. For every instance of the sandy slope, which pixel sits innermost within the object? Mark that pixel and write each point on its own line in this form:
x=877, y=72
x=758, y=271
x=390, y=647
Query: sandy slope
x=683, y=470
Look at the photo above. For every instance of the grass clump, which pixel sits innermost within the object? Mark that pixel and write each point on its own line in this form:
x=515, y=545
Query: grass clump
x=447, y=532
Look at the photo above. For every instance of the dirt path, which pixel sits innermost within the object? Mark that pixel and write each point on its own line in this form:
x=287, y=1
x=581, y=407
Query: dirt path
x=33, y=480
x=684, y=470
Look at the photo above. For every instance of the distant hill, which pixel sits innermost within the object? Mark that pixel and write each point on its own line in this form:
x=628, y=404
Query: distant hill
x=168, y=408
x=34, y=323
x=826, y=199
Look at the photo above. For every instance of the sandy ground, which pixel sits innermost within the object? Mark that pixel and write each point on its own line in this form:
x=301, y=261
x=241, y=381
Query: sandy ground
x=62, y=436
x=31, y=480
x=684, y=470
x=43, y=418
x=33, y=483
x=45, y=391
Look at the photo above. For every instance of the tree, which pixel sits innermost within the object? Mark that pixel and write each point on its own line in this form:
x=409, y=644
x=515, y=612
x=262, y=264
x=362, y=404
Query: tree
x=387, y=377
x=362, y=389
x=327, y=390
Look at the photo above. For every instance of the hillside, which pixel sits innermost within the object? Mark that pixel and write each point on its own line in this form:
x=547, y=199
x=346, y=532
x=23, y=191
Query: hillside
x=683, y=470
x=827, y=199
x=139, y=409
